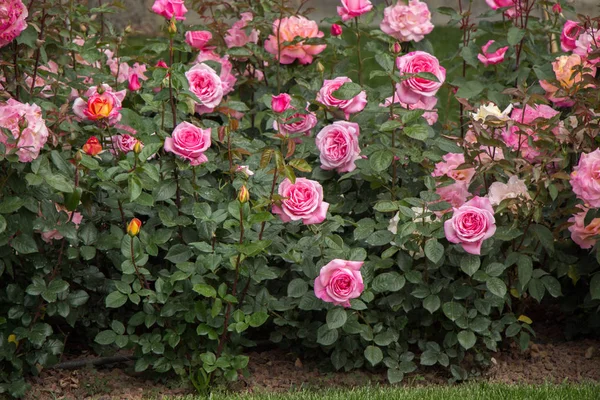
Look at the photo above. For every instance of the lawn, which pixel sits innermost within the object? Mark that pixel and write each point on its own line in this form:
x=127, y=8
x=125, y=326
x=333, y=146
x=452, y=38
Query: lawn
x=483, y=391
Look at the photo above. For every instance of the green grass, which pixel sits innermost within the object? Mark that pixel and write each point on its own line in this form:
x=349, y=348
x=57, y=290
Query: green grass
x=473, y=391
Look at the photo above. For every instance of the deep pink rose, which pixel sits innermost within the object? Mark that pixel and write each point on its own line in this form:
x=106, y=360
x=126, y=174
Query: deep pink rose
x=122, y=71
x=471, y=224
x=281, y=102
x=28, y=131
x=449, y=167
x=407, y=22
x=413, y=89
x=582, y=234
x=351, y=106
x=430, y=115
x=206, y=85
x=336, y=30
x=353, y=8
x=122, y=143
x=189, y=142
x=339, y=281
x=237, y=37
x=585, y=178
x=496, y=4
x=289, y=29
x=517, y=138
x=227, y=76
x=134, y=83
x=301, y=122
x=170, y=8
x=198, y=39
x=54, y=234
x=13, y=14
x=338, y=145
x=489, y=58
x=102, y=103
x=302, y=201
x=570, y=32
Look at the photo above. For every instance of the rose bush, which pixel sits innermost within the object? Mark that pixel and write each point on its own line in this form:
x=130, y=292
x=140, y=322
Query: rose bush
x=350, y=194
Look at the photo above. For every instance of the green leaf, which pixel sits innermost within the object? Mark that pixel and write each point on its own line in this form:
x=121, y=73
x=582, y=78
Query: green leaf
x=205, y=290
x=149, y=150
x=60, y=183
x=105, y=337
x=544, y=235
x=469, y=89
x=524, y=270
x=552, y=285
x=115, y=300
x=388, y=282
x=347, y=91
x=257, y=319
x=431, y=303
x=381, y=160
x=135, y=187
x=165, y=190
x=78, y=298
x=515, y=35
x=536, y=289
x=380, y=238
x=373, y=354
x=118, y=327
x=418, y=132
x=297, y=287
x=434, y=250
x=595, y=286
x=336, y=318
x=24, y=244
x=386, y=206
x=389, y=126
x=453, y=310
x=470, y=264
x=496, y=286
x=394, y=375
x=326, y=336
x=179, y=253
x=466, y=339
x=11, y=204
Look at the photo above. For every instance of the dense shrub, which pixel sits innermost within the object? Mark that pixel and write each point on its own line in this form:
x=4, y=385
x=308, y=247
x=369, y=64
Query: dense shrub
x=333, y=188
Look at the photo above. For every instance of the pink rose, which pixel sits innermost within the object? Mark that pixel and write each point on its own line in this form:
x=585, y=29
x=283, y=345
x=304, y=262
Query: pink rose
x=336, y=30
x=302, y=201
x=123, y=144
x=189, y=142
x=449, y=167
x=206, y=85
x=198, y=39
x=237, y=37
x=556, y=9
x=515, y=188
x=338, y=145
x=566, y=70
x=430, y=114
x=102, y=103
x=281, y=102
x=494, y=58
x=289, y=28
x=554, y=97
x=228, y=79
x=496, y=4
x=28, y=131
x=584, y=235
x=407, y=22
x=46, y=91
x=471, y=224
x=456, y=194
x=413, y=89
x=585, y=178
x=13, y=15
x=134, y=83
x=353, y=8
x=54, y=234
x=570, y=32
x=170, y=8
x=587, y=42
x=339, y=281
x=517, y=138
x=351, y=106
x=297, y=123
x=244, y=169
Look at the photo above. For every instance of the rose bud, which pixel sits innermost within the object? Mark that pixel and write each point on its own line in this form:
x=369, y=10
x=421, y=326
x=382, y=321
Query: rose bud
x=172, y=29
x=336, y=30
x=397, y=48
x=281, y=102
x=133, y=229
x=137, y=147
x=244, y=194
x=134, y=83
x=92, y=147
x=557, y=9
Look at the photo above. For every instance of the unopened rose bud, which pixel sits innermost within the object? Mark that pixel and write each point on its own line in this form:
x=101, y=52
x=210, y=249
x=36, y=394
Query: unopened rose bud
x=244, y=194
x=12, y=338
x=397, y=48
x=78, y=157
x=133, y=229
x=172, y=27
x=134, y=83
x=320, y=67
x=137, y=147
x=336, y=30
x=83, y=28
x=281, y=102
x=92, y=147
x=557, y=9
x=39, y=43
x=23, y=123
x=128, y=29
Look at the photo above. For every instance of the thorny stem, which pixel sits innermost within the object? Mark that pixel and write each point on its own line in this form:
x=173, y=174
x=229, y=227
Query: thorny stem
x=273, y=183
x=16, y=60
x=466, y=30
x=37, y=52
x=171, y=97
x=279, y=49
x=394, y=166
x=360, y=66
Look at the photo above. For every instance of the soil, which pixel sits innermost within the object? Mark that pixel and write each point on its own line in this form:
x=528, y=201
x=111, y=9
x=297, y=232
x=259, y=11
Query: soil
x=550, y=358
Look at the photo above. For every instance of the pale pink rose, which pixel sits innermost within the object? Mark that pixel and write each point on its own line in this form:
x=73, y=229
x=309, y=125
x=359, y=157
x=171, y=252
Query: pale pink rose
x=206, y=85
x=289, y=28
x=13, y=15
x=338, y=146
x=254, y=73
x=584, y=235
x=456, y=194
x=351, y=106
x=517, y=138
x=302, y=201
x=471, y=224
x=122, y=143
x=430, y=114
x=244, y=169
x=339, y=282
x=510, y=12
x=228, y=78
x=585, y=178
x=28, y=131
x=281, y=102
x=489, y=58
x=413, y=89
x=515, y=188
x=353, y=8
x=407, y=22
x=552, y=94
x=297, y=123
x=449, y=167
x=189, y=142
x=54, y=234
x=570, y=32
x=588, y=42
x=486, y=154
x=336, y=30
x=98, y=103
x=170, y=8
x=198, y=39
x=236, y=36
x=45, y=84
x=532, y=113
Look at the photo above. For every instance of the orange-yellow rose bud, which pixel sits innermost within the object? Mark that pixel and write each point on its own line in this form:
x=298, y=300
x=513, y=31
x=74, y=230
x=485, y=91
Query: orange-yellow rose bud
x=92, y=147
x=172, y=27
x=137, y=147
x=133, y=229
x=244, y=194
